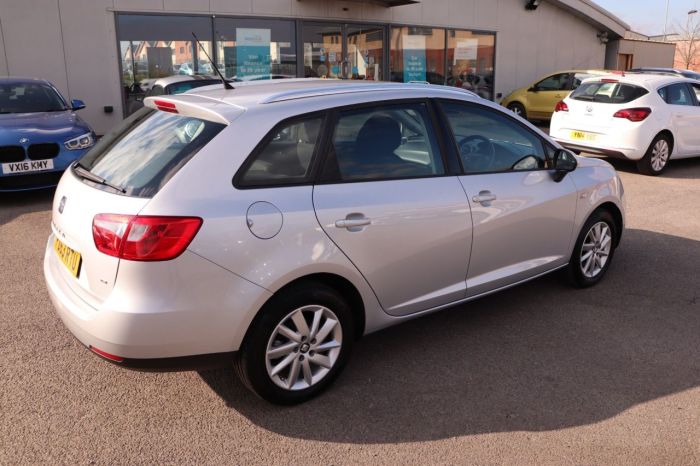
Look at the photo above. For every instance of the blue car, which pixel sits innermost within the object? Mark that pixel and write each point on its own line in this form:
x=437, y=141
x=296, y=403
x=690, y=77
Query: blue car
x=40, y=134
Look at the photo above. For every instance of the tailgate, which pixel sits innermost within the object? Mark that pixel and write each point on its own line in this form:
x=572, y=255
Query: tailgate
x=89, y=273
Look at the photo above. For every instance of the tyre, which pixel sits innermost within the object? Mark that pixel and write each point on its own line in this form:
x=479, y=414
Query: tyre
x=655, y=160
x=594, y=250
x=518, y=109
x=297, y=345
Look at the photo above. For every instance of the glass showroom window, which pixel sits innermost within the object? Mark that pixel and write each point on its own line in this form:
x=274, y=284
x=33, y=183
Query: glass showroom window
x=417, y=54
x=252, y=49
x=470, y=61
x=155, y=46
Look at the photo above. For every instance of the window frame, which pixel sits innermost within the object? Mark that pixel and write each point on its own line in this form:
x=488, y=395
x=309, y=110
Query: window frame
x=325, y=177
x=547, y=148
x=316, y=158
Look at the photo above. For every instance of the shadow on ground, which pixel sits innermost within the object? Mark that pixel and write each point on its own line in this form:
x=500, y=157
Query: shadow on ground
x=678, y=169
x=541, y=356
x=14, y=204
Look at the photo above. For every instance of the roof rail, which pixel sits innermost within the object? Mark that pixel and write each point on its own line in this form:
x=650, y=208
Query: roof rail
x=352, y=89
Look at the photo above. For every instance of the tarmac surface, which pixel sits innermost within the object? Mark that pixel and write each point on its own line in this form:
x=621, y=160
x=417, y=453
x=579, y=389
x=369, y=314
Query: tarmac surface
x=538, y=374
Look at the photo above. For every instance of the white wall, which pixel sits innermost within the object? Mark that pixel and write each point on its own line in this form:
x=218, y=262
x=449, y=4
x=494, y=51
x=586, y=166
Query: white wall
x=73, y=42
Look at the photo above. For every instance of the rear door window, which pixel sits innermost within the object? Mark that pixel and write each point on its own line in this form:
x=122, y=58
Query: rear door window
x=609, y=92
x=384, y=142
x=677, y=94
x=147, y=149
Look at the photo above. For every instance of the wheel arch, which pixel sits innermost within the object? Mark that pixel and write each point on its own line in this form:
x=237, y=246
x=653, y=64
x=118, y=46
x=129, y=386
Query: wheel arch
x=616, y=213
x=669, y=134
x=340, y=284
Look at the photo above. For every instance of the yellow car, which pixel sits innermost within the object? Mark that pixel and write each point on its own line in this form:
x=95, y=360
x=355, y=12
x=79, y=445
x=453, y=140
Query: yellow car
x=537, y=101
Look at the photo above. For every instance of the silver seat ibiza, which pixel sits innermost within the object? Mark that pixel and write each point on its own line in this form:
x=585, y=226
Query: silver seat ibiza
x=270, y=226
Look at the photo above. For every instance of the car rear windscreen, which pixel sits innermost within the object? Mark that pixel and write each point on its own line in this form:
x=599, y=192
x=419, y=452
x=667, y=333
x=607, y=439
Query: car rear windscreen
x=147, y=149
x=608, y=92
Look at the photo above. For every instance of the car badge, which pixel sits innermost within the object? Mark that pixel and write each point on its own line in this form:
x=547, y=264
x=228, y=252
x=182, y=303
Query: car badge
x=62, y=205
x=23, y=141
x=589, y=109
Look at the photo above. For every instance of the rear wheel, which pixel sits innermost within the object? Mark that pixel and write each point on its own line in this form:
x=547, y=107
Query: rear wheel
x=299, y=344
x=594, y=250
x=518, y=109
x=657, y=156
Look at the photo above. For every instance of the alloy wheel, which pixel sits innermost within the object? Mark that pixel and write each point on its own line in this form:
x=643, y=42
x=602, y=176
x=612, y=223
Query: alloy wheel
x=595, y=250
x=659, y=155
x=304, y=347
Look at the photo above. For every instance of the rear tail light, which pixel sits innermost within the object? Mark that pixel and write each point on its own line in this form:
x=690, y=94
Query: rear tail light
x=143, y=238
x=561, y=107
x=633, y=114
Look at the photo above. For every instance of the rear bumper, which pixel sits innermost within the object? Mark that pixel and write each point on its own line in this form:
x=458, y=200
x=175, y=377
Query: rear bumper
x=618, y=154
x=158, y=328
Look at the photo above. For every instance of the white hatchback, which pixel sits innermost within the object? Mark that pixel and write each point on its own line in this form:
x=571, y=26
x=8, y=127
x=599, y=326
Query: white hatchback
x=272, y=224
x=646, y=118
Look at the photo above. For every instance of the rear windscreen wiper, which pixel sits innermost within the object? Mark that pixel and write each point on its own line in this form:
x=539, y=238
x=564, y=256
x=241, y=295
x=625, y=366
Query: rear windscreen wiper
x=82, y=171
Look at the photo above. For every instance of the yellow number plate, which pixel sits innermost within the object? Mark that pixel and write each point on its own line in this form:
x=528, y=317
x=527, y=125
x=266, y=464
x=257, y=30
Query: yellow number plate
x=582, y=136
x=70, y=258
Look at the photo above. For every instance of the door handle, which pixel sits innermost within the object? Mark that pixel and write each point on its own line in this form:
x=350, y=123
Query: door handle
x=484, y=197
x=353, y=223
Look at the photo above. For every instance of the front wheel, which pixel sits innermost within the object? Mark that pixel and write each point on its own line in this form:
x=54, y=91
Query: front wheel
x=594, y=250
x=298, y=346
x=657, y=156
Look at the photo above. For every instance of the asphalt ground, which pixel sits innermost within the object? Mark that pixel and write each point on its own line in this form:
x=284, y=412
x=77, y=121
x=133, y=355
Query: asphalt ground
x=538, y=374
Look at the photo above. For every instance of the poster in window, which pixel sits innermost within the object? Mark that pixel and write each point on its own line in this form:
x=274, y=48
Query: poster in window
x=466, y=50
x=253, y=52
x=414, y=61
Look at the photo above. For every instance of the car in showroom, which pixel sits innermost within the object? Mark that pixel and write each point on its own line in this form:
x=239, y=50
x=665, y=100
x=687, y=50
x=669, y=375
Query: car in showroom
x=537, y=101
x=669, y=72
x=40, y=134
x=647, y=118
x=269, y=226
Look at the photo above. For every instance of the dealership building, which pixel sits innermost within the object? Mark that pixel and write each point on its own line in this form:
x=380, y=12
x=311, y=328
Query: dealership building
x=102, y=51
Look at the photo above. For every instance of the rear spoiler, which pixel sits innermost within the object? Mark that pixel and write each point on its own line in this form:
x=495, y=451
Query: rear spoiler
x=195, y=106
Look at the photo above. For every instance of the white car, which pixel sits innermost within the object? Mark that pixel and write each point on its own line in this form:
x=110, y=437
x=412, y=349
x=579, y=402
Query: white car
x=272, y=224
x=646, y=118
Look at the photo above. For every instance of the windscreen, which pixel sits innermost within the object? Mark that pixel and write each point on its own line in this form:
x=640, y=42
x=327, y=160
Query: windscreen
x=147, y=149
x=30, y=98
x=608, y=92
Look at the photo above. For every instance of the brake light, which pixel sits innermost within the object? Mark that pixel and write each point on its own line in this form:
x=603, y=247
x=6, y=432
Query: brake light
x=561, y=107
x=143, y=238
x=633, y=114
x=607, y=80
x=165, y=106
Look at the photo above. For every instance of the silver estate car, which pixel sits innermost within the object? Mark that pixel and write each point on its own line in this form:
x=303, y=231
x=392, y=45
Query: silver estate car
x=271, y=225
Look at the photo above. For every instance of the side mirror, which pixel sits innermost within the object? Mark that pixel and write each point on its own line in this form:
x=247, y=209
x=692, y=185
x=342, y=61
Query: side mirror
x=564, y=162
x=76, y=104
x=533, y=89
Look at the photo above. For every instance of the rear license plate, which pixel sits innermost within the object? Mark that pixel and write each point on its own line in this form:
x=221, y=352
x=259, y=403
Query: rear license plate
x=70, y=258
x=27, y=166
x=582, y=136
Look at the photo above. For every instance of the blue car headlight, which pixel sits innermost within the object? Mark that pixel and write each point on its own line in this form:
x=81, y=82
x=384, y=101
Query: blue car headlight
x=81, y=142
